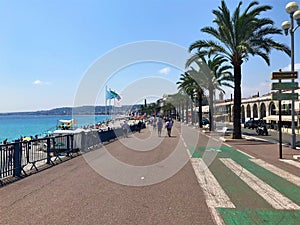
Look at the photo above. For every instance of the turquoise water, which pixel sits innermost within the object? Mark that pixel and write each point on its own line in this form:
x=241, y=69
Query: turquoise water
x=12, y=127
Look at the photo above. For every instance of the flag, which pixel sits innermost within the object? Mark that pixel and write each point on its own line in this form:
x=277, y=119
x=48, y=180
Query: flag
x=112, y=94
x=109, y=95
x=117, y=96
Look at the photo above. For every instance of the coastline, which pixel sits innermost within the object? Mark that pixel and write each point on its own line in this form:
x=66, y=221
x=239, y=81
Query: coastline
x=12, y=127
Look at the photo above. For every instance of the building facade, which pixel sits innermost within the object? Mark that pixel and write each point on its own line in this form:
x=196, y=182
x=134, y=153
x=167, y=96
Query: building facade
x=259, y=108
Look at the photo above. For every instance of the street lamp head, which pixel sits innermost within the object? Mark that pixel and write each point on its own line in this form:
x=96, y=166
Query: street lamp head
x=286, y=26
x=291, y=7
x=296, y=17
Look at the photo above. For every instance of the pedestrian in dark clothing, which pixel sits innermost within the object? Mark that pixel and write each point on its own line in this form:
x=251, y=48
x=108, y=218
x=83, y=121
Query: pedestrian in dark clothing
x=139, y=126
x=169, y=127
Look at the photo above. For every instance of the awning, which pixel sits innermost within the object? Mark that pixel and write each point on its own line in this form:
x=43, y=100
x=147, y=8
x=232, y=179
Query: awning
x=66, y=121
x=287, y=118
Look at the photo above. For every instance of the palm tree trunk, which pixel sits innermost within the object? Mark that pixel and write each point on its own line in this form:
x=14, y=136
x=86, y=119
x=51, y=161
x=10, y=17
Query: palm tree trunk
x=192, y=110
x=237, y=133
x=182, y=111
x=187, y=110
x=200, y=108
x=211, y=109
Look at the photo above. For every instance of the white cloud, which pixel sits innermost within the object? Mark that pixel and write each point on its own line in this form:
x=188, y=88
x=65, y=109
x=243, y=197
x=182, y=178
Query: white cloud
x=288, y=68
x=165, y=70
x=39, y=82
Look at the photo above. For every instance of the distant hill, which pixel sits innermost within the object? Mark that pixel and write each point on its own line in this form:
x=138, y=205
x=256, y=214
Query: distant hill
x=82, y=110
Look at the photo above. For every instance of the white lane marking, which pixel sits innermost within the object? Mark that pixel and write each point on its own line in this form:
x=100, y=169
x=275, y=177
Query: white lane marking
x=291, y=162
x=273, y=197
x=215, y=195
x=184, y=144
x=189, y=153
x=200, y=177
x=280, y=172
x=216, y=216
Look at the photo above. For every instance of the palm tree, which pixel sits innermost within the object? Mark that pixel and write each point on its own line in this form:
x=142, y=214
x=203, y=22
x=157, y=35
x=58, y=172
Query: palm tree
x=190, y=87
x=180, y=97
x=199, y=92
x=238, y=36
x=212, y=74
x=178, y=100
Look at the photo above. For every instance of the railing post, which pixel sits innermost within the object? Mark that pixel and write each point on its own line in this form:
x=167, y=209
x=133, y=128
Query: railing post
x=68, y=145
x=17, y=159
x=1, y=163
x=72, y=142
x=48, y=151
x=83, y=141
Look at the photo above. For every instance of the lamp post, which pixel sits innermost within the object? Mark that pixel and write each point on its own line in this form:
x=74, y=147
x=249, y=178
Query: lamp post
x=288, y=27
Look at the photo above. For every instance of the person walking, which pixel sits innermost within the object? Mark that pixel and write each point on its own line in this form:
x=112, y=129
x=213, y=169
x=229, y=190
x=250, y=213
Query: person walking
x=125, y=128
x=169, y=127
x=154, y=124
x=159, y=126
x=139, y=126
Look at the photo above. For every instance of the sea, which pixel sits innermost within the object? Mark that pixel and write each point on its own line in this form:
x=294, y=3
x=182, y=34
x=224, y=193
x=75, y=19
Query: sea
x=12, y=127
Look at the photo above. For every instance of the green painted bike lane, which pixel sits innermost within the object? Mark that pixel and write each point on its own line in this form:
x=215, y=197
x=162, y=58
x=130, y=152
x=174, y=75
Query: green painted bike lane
x=251, y=208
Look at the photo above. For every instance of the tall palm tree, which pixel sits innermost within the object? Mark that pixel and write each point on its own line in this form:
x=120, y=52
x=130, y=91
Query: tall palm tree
x=200, y=93
x=213, y=74
x=181, y=98
x=178, y=100
x=238, y=36
x=190, y=87
x=185, y=84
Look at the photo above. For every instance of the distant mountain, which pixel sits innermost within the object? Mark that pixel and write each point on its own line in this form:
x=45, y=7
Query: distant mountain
x=82, y=110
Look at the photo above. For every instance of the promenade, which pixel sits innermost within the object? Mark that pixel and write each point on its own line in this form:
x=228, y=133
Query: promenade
x=236, y=188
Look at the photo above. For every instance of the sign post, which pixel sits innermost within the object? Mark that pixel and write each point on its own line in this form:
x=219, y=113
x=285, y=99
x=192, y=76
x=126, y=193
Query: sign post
x=280, y=131
x=281, y=86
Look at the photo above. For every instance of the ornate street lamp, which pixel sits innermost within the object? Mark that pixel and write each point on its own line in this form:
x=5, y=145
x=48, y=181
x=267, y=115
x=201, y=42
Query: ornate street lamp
x=288, y=27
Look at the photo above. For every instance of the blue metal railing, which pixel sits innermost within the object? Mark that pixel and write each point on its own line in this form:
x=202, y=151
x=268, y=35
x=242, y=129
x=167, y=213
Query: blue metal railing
x=19, y=157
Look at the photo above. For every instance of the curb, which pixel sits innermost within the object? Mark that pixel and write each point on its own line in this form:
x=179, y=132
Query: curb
x=296, y=157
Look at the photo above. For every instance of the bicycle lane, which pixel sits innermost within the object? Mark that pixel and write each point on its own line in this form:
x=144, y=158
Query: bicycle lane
x=259, y=196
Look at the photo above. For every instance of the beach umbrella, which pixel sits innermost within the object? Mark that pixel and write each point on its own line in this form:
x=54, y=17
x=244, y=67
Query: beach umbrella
x=26, y=139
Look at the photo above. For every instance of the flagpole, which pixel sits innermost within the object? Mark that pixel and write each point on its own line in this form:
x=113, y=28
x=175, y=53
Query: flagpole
x=105, y=100
x=109, y=103
x=114, y=107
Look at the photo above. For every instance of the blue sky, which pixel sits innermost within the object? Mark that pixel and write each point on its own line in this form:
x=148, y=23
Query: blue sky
x=47, y=46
